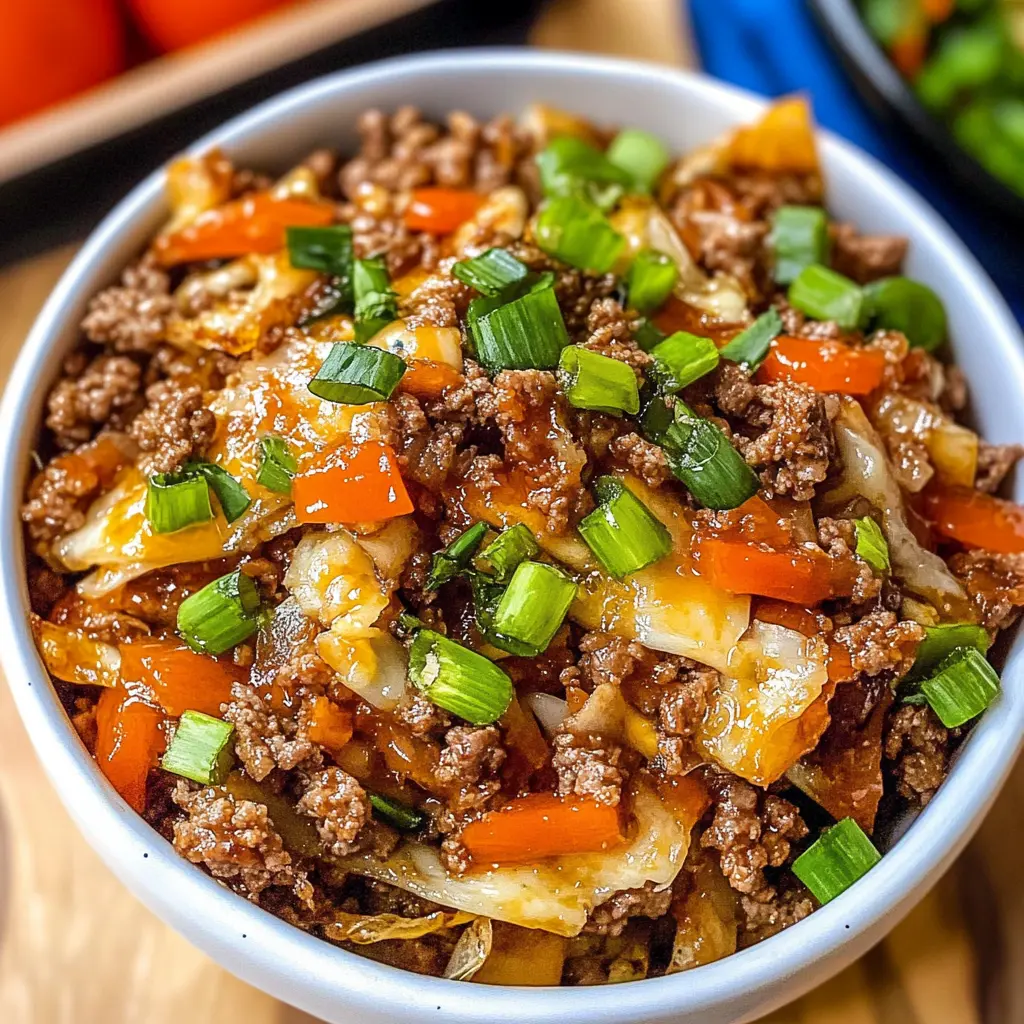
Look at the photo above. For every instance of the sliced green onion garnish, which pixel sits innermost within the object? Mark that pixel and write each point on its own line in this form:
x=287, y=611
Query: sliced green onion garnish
x=641, y=155
x=622, y=531
x=487, y=595
x=277, y=465
x=964, y=685
x=578, y=233
x=177, y=500
x=457, y=679
x=328, y=250
x=700, y=455
x=512, y=546
x=835, y=860
x=825, y=295
x=357, y=374
x=222, y=614
x=375, y=303
x=648, y=334
x=492, y=272
x=681, y=359
x=941, y=641
x=650, y=280
x=200, y=749
x=534, y=605
x=593, y=381
x=394, y=813
x=455, y=558
x=871, y=544
x=899, y=304
x=751, y=345
x=570, y=166
x=233, y=497
x=799, y=237
x=655, y=419
x=527, y=333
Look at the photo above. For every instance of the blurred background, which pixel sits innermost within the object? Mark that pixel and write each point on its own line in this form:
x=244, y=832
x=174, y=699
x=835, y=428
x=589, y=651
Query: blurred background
x=94, y=94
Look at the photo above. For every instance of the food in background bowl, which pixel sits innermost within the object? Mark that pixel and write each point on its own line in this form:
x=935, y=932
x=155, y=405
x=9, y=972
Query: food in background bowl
x=517, y=554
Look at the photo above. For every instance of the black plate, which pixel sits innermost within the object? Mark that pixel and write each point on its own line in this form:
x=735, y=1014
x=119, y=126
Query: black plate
x=887, y=92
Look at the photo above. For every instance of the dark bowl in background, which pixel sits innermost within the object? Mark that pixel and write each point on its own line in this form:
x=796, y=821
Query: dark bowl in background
x=890, y=95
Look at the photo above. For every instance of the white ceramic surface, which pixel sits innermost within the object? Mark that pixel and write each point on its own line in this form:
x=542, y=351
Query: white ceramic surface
x=685, y=110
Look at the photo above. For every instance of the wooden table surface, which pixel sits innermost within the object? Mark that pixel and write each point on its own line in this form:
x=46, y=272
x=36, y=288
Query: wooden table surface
x=76, y=947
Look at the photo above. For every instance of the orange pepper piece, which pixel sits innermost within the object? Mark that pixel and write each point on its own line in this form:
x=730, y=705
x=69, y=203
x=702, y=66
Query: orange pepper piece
x=129, y=742
x=427, y=379
x=351, y=484
x=330, y=724
x=440, y=210
x=823, y=364
x=976, y=519
x=783, y=140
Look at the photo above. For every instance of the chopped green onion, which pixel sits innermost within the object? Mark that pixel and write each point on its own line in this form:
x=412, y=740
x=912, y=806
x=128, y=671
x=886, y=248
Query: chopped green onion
x=375, y=303
x=650, y=280
x=357, y=374
x=327, y=249
x=825, y=295
x=751, y=345
x=799, y=237
x=569, y=166
x=277, y=465
x=233, y=497
x=593, y=381
x=641, y=155
x=512, y=546
x=534, y=605
x=648, y=334
x=200, y=749
x=491, y=273
x=527, y=333
x=487, y=595
x=964, y=685
x=457, y=679
x=578, y=233
x=177, y=500
x=681, y=359
x=899, y=304
x=394, y=813
x=407, y=625
x=222, y=614
x=622, y=531
x=871, y=545
x=941, y=641
x=835, y=860
x=455, y=558
x=655, y=419
x=700, y=455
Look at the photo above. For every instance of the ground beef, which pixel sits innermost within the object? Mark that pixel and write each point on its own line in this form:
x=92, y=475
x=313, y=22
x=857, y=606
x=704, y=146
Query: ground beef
x=763, y=192
x=792, y=444
x=174, y=426
x=426, y=451
x=732, y=245
x=611, y=334
x=995, y=584
x=683, y=703
x=917, y=745
x=642, y=457
x=609, y=918
x=880, y=643
x=588, y=766
x=994, y=462
x=234, y=839
x=264, y=740
x=607, y=658
x=423, y=718
x=340, y=807
x=761, y=920
x=131, y=316
x=750, y=832
x=838, y=537
x=866, y=258
x=469, y=764
x=103, y=392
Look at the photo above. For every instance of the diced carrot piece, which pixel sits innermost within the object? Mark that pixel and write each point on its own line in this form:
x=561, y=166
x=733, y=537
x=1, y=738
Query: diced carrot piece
x=823, y=364
x=440, y=210
x=129, y=741
x=976, y=519
x=351, y=484
x=330, y=724
x=427, y=379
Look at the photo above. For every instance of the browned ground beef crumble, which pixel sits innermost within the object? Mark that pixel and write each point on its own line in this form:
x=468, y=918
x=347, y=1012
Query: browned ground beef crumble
x=127, y=396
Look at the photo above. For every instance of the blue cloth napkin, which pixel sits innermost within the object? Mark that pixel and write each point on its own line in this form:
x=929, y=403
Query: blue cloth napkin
x=775, y=47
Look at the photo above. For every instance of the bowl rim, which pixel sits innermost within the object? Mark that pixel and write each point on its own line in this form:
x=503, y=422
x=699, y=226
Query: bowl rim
x=312, y=973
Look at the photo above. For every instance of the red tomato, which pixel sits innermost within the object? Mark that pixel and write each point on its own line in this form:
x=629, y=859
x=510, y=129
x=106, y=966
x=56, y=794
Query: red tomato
x=49, y=52
x=173, y=24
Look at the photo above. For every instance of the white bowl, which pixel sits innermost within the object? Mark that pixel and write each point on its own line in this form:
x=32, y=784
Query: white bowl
x=685, y=110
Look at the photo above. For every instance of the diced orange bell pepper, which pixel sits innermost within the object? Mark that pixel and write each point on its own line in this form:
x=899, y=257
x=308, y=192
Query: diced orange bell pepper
x=427, y=379
x=541, y=825
x=976, y=519
x=440, y=210
x=823, y=364
x=129, y=742
x=330, y=724
x=254, y=224
x=351, y=484
x=783, y=140
x=170, y=674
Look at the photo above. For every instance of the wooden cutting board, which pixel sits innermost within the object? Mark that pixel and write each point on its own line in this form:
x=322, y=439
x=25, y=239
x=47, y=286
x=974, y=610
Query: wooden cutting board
x=76, y=947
